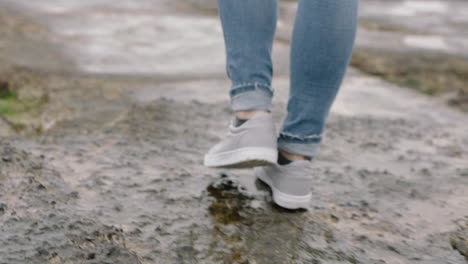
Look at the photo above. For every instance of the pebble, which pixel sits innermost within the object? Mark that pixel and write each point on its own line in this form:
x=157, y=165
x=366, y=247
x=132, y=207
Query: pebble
x=6, y=158
x=3, y=208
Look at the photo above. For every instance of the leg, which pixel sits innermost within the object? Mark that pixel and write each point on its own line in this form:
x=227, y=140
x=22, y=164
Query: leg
x=322, y=44
x=249, y=27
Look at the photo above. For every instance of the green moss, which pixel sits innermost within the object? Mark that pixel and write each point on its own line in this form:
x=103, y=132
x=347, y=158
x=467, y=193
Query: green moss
x=4, y=110
x=13, y=108
x=9, y=103
x=7, y=95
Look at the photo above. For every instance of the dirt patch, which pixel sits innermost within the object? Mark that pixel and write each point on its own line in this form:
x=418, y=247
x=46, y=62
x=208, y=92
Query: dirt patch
x=33, y=98
x=22, y=101
x=429, y=73
x=5, y=128
x=376, y=25
x=11, y=23
x=27, y=105
x=37, y=100
x=459, y=239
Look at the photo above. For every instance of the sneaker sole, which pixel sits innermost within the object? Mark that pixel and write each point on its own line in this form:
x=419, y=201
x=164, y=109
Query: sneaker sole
x=282, y=199
x=242, y=158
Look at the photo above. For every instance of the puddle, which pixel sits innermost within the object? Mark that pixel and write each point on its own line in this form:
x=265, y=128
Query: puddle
x=230, y=201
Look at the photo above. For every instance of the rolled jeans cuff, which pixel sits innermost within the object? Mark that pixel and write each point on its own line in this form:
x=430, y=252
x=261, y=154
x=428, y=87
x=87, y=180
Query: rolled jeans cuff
x=251, y=96
x=308, y=146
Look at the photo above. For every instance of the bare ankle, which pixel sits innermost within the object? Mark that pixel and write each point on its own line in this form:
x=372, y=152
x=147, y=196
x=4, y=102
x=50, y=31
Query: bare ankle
x=248, y=114
x=291, y=156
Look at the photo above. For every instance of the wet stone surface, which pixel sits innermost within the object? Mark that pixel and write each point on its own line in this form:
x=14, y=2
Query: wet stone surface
x=40, y=224
x=136, y=192
x=115, y=179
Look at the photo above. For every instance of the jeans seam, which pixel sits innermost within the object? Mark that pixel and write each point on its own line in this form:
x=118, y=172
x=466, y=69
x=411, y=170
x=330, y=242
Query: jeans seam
x=243, y=93
x=249, y=84
x=255, y=87
x=317, y=136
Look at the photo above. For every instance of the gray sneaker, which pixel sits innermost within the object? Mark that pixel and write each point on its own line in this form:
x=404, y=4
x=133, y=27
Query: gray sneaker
x=290, y=184
x=246, y=146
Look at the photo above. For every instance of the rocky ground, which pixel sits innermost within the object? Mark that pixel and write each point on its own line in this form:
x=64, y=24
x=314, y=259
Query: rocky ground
x=135, y=192
x=106, y=167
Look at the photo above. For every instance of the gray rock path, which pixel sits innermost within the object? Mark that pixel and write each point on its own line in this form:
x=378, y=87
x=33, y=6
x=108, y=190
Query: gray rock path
x=390, y=182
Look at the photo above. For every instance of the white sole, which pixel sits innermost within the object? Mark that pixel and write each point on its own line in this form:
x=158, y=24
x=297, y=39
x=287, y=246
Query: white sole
x=242, y=158
x=282, y=199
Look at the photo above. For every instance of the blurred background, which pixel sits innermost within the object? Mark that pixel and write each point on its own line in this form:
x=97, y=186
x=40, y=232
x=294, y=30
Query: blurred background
x=107, y=107
x=422, y=45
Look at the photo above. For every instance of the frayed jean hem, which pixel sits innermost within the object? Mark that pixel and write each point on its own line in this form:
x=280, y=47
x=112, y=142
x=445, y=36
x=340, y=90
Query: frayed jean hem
x=305, y=146
x=251, y=96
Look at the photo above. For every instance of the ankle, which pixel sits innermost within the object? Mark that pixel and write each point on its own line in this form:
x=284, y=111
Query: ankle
x=245, y=115
x=292, y=157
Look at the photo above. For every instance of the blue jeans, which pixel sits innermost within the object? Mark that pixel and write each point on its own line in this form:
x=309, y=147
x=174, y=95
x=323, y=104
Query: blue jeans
x=322, y=44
